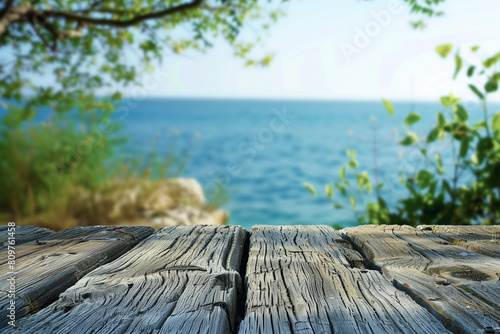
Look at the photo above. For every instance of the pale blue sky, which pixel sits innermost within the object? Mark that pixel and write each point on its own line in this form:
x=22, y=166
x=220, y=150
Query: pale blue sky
x=310, y=63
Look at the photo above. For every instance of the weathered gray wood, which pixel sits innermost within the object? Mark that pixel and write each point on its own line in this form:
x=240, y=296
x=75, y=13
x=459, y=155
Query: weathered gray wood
x=46, y=267
x=480, y=239
x=22, y=234
x=182, y=279
x=459, y=286
x=307, y=279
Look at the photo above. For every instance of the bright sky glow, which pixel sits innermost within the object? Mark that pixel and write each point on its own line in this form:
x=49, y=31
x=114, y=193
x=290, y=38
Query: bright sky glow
x=310, y=62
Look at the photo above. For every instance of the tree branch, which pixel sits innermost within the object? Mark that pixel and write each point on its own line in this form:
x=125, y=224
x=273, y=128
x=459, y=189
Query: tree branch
x=55, y=35
x=126, y=23
x=6, y=8
x=39, y=35
x=12, y=14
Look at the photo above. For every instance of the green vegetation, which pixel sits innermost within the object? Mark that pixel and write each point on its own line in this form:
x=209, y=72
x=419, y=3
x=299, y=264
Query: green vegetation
x=436, y=196
x=48, y=169
x=51, y=170
x=41, y=165
x=63, y=39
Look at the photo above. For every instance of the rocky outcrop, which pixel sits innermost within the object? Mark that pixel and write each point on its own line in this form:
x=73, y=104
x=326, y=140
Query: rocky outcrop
x=154, y=203
x=187, y=216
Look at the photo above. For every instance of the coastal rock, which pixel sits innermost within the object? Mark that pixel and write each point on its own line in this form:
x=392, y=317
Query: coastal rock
x=171, y=193
x=220, y=216
x=183, y=216
x=156, y=203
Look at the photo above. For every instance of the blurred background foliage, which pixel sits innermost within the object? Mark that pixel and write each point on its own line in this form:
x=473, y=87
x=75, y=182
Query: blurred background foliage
x=468, y=194
x=85, y=46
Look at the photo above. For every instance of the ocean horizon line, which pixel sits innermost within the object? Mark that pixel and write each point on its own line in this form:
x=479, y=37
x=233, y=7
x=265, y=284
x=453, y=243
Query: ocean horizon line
x=278, y=99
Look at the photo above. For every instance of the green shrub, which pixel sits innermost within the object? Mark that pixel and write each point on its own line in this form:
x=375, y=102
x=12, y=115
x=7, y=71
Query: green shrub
x=433, y=196
x=41, y=165
x=53, y=173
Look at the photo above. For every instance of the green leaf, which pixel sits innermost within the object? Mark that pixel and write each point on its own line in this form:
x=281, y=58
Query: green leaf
x=460, y=113
x=420, y=24
x=329, y=191
x=410, y=138
x=266, y=60
x=450, y=100
x=444, y=50
x=116, y=96
x=464, y=146
x=458, y=65
x=433, y=135
x=484, y=146
x=440, y=169
x=364, y=181
x=474, y=48
x=491, y=86
x=481, y=124
x=424, y=179
x=342, y=173
x=476, y=91
x=406, y=141
x=310, y=188
x=441, y=120
x=491, y=61
x=412, y=118
x=388, y=105
x=353, y=201
x=341, y=188
x=495, y=77
x=338, y=206
x=470, y=71
x=353, y=164
x=495, y=122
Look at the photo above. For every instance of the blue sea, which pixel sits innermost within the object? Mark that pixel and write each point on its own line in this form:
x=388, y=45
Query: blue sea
x=261, y=152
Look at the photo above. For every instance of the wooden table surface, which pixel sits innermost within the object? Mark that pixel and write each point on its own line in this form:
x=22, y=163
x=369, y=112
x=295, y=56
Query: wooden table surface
x=272, y=279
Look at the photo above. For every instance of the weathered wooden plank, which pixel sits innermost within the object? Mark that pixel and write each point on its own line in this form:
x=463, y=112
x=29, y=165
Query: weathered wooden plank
x=307, y=279
x=182, y=279
x=22, y=234
x=480, y=239
x=459, y=286
x=46, y=267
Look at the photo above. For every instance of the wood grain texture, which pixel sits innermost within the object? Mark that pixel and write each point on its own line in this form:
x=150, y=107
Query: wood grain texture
x=480, y=239
x=182, y=279
x=307, y=279
x=460, y=287
x=46, y=267
x=23, y=234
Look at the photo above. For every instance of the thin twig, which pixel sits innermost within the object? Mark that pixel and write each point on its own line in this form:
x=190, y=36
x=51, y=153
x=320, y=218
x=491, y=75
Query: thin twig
x=39, y=35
